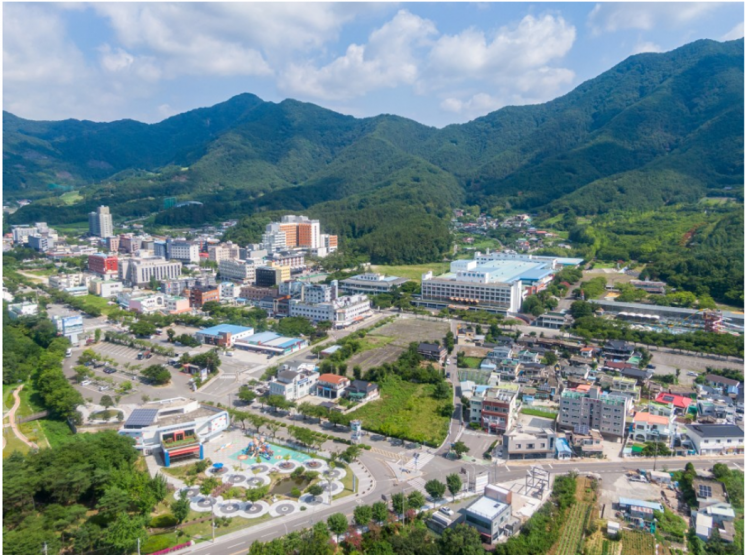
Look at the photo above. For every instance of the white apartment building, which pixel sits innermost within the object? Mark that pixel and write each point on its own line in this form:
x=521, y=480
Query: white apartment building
x=224, y=251
x=241, y=270
x=342, y=312
x=593, y=410
x=65, y=281
x=138, y=271
x=21, y=233
x=100, y=223
x=185, y=251
x=294, y=384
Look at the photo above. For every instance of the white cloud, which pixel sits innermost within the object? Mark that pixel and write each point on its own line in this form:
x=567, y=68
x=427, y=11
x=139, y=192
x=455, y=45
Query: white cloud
x=646, y=15
x=736, y=32
x=480, y=103
x=388, y=59
x=646, y=46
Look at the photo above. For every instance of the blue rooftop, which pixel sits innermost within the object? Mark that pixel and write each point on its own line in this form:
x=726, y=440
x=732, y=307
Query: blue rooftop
x=562, y=446
x=628, y=502
x=224, y=328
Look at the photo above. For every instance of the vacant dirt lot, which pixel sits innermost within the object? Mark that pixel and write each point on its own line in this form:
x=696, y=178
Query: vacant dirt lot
x=376, y=357
x=406, y=330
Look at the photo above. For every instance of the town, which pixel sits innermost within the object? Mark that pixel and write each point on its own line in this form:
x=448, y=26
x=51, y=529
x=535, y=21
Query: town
x=260, y=385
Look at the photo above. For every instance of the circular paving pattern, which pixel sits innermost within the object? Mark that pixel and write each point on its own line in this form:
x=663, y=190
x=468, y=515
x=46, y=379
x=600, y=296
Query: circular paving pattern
x=206, y=502
x=191, y=493
x=308, y=499
x=313, y=464
x=236, y=478
x=219, y=471
x=255, y=482
x=261, y=467
x=335, y=473
x=333, y=488
x=231, y=507
x=287, y=466
x=284, y=508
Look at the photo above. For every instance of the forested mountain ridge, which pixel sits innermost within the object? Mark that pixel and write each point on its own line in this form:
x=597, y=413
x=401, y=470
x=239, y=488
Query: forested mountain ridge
x=655, y=130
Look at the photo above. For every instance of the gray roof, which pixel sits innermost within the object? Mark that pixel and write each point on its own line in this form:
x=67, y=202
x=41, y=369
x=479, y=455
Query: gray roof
x=433, y=347
x=141, y=417
x=286, y=376
x=721, y=379
x=716, y=430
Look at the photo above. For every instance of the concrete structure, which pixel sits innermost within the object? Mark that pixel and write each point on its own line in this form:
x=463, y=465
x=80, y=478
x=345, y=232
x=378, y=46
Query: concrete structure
x=224, y=251
x=617, y=351
x=70, y=327
x=178, y=427
x=727, y=386
x=271, y=343
x=331, y=386
x=140, y=271
x=66, y=281
x=341, y=312
x=41, y=243
x=552, y=320
x=495, y=409
x=224, y=335
x=292, y=259
x=184, y=251
x=360, y=390
x=653, y=427
x=531, y=443
x=100, y=223
x=268, y=276
x=200, y=294
x=240, y=270
x=294, y=384
x=19, y=310
x=490, y=513
x=106, y=289
x=715, y=439
x=103, y=265
x=593, y=410
x=432, y=351
x=371, y=283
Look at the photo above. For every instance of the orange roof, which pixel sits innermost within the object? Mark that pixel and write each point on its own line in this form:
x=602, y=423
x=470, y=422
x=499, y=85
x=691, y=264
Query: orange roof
x=331, y=378
x=584, y=388
x=650, y=418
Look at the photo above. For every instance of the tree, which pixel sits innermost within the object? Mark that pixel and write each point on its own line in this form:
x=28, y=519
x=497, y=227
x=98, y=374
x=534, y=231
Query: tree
x=581, y=309
x=157, y=374
x=107, y=402
x=380, y=511
x=454, y=484
x=460, y=448
x=81, y=373
x=124, y=532
x=398, y=501
x=435, y=489
x=351, y=453
x=461, y=540
x=171, y=334
x=449, y=341
x=114, y=501
x=362, y=514
x=441, y=391
x=337, y=524
x=357, y=372
x=142, y=328
x=336, y=417
x=315, y=490
x=208, y=485
x=97, y=335
x=550, y=358
x=246, y=395
x=416, y=500
x=180, y=507
x=277, y=402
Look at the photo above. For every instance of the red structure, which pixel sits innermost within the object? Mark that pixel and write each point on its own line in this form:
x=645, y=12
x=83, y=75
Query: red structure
x=103, y=264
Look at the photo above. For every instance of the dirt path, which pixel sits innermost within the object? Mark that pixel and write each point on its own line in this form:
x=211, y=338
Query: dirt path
x=12, y=418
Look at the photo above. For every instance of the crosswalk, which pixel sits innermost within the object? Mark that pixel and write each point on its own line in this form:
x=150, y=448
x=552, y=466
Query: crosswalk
x=387, y=454
x=419, y=462
x=417, y=483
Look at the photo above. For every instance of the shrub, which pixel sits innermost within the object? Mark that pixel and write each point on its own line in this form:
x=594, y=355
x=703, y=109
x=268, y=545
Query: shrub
x=156, y=543
x=163, y=521
x=295, y=493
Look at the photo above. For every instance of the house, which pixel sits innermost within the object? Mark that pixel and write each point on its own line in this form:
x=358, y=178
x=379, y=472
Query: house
x=530, y=443
x=490, y=513
x=618, y=351
x=678, y=401
x=294, y=384
x=495, y=409
x=500, y=352
x=360, y=390
x=708, y=492
x=331, y=386
x=641, y=376
x=653, y=427
x=432, y=351
x=713, y=439
x=586, y=445
x=727, y=386
x=718, y=407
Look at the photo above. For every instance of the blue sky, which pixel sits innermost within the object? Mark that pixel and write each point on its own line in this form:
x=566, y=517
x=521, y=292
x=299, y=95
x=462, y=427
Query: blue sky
x=437, y=63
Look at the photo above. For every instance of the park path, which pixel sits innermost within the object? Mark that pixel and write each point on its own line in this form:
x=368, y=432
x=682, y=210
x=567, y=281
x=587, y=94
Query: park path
x=12, y=419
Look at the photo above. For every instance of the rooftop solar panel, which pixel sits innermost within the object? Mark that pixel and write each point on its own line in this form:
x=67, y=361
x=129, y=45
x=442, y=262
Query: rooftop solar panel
x=142, y=417
x=704, y=491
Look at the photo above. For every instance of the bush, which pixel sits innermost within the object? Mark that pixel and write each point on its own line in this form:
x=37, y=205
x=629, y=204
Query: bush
x=296, y=493
x=163, y=521
x=157, y=543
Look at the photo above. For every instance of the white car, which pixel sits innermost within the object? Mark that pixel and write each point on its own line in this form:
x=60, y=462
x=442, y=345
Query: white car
x=86, y=382
x=447, y=510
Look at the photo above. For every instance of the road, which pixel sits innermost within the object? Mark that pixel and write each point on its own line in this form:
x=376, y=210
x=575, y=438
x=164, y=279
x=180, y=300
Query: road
x=240, y=541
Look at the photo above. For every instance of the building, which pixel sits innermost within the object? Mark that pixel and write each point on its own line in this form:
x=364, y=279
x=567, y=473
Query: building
x=141, y=271
x=360, y=390
x=41, y=243
x=100, y=223
x=653, y=287
x=103, y=265
x=240, y=270
x=106, y=289
x=341, y=312
x=495, y=409
x=21, y=233
x=716, y=439
x=294, y=384
x=176, y=427
x=653, y=427
x=224, y=335
x=224, y=251
x=66, y=281
x=678, y=401
x=618, y=351
x=311, y=293
x=727, y=386
x=718, y=407
x=200, y=294
x=586, y=445
x=532, y=443
x=491, y=513
x=271, y=343
x=111, y=244
x=551, y=320
x=269, y=276
x=130, y=244
x=294, y=260
x=331, y=386
x=177, y=305
x=371, y=283
x=625, y=387
x=593, y=410
x=19, y=310
x=432, y=351
x=184, y=251
x=488, y=283
x=70, y=327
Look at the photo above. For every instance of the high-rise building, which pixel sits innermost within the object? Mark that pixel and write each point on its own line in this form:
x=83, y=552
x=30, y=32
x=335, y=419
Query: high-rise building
x=224, y=251
x=237, y=269
x=593, y=410
x=185, y=251
x=100, y=223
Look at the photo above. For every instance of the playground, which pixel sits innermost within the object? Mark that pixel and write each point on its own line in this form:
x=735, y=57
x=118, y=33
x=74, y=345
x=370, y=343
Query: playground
x=258, y=447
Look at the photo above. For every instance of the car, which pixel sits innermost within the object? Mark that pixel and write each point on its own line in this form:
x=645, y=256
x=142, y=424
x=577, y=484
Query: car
x=693, y=374
x=104, y=388
x=68, y=353
x=109, y=370
x=447, y=511
x=229, y=354
x=86, y=382
x=447, y=375
x=651, y=367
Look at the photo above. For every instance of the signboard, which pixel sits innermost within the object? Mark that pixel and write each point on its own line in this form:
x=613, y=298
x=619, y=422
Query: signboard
x=69, y=325
x=481, y=482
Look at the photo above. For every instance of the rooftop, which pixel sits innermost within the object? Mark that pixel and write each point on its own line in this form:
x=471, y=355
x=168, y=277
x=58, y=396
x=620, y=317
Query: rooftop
x=487, y=508
x=721, y=379
x=332, y=378
x=628, y=502
x=224, y=328
x=716, y=430
x=650, y=418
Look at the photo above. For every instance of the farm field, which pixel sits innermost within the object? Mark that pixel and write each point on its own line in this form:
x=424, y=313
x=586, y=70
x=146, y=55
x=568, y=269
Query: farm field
x=406, y=411
x=413, y=271
x=598, y=544
x=71, y=197
x=573, y=529
x=407, y=330
x=472, y=362
x=635, y=542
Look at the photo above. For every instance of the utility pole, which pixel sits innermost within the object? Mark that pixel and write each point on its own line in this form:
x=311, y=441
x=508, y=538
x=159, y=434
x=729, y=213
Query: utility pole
x=45, y=548
x=213, y=522
x=138, y=546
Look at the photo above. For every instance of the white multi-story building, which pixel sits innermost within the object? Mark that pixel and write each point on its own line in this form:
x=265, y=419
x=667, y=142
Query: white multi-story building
x=138, y=271
x=41, y=242
x=294, y=384
x=241, y=270
x=65, y=281
x=21, y=233
x=100, y=223
x=105, y=289
x=224, y=251
x=342, y=312
x=593, y=410
x=716, y=439
x=184, y=251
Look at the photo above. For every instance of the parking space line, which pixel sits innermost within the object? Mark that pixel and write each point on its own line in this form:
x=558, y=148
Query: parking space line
x=507, y=468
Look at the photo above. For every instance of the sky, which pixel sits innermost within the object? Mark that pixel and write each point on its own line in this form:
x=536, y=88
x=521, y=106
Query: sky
x=436, y=63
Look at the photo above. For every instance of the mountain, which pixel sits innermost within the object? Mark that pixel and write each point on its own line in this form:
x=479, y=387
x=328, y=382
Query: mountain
x=655, y=130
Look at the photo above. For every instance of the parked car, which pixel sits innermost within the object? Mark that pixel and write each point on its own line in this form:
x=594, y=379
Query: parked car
x=104, y=388
x=651, y=367
x=447, y=511
x=86, y=382
x=109, y=370
x=692, y=374
x=68, y=353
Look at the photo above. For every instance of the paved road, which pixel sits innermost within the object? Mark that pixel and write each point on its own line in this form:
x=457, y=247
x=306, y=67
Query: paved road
x=239, y=542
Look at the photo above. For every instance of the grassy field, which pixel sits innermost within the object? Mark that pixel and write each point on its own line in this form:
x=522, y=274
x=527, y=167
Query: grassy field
x=473, y=362
x=71, y=197
x=100, y=303
x=538, y=412
x=370, y=342
x=12, y=443
x=413, y=271
x=56, y=431
x=405, y=411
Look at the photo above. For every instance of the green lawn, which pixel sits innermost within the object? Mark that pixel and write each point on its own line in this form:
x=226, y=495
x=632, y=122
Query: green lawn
x=370, y=342
x=12, y=443
x=30, y=401
x=99, y=302
x=473, y=362
x=71, y=197
x=8, y=398
x=405, y=411
x=538, y=412
x=56, y=431
x=413, y=271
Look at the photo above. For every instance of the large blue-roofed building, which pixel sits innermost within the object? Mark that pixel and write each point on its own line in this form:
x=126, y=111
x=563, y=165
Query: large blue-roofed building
x=224, y=334
x=271, y=343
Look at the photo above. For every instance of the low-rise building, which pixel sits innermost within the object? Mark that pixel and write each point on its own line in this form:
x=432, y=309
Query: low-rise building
x=331, y=386
x=370, y=283
x=727, y=386
x=201, y=294
x=103, y=265
x=66, y=281
x=491, y=513
x=715, y=439
x=552, y=320
x=240, y=270
x=588, y=444
x=224, y=335
x=269, y=276
x=678, y=401
x=19, y=310
x=360, y=390
x=176, y=427
x=653, y=427
x=432, y=351
x=618, y=351
x=294, y=384
x=530, y=443
x=495, y=409
x=271, y=343
x=105, y=289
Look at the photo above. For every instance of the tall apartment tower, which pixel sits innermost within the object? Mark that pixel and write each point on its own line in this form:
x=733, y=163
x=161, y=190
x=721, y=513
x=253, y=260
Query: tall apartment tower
x=100, y=223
